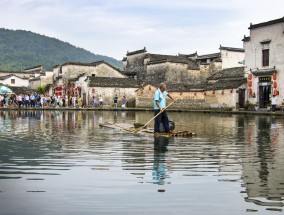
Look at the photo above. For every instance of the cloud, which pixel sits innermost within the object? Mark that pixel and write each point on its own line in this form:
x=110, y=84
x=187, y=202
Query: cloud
x=112, y=27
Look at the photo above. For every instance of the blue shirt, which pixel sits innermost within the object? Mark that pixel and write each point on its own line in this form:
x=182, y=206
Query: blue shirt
x=161, y=98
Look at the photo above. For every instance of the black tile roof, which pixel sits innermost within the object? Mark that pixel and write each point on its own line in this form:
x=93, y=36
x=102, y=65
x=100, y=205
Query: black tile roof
x=246, y=39
x=129, y=73
x=226, y=84
x=34, y=67
x=208, y=56
x=263, y=24
x=35, y=79
x=189, y=55
x=263, y=72
x=94, y=64
x=157, y=59
x=10, y=75
x=136, y=52
x=112, y=82
x=16, y=72
x=229, y=73
x=231, y=49
x=178, y=87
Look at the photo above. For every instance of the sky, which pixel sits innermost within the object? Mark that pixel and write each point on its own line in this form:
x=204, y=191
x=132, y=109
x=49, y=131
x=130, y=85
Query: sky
x=113, y=27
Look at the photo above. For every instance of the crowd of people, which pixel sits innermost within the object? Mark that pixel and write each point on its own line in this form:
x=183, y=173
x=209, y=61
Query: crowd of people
x=35, y=100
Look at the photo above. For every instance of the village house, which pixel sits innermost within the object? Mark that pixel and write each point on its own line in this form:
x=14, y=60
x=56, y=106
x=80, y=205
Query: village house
x=107, y=88
x=92, y=79
x=14, y=80
x=227, y=57
x=224, y=89
x=155, y=68
x=65, y=75
x=264, y=61
x=202, y=79
x=150, y=68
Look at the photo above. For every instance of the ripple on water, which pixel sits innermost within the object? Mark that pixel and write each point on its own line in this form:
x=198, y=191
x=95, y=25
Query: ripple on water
x=239, y=159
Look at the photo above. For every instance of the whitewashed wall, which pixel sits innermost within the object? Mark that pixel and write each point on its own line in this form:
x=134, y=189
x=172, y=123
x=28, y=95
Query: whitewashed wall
x=19, y=82
x=232, y=58
x=253, y=54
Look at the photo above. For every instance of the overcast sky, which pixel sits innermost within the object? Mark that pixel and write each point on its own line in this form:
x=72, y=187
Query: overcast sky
x=113, y=27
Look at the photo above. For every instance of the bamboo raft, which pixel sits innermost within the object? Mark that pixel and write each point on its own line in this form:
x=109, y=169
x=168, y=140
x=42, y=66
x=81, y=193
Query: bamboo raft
x=145, y=131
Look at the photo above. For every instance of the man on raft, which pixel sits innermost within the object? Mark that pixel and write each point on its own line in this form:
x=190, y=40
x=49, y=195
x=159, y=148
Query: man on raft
x=159, y=106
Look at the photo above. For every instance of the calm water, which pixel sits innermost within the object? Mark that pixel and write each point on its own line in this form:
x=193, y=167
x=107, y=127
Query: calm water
x=64, y=163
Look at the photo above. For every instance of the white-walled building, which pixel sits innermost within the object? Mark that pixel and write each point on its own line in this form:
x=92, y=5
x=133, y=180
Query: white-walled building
x=13, y=80
x=232, y=57
x=264, y=61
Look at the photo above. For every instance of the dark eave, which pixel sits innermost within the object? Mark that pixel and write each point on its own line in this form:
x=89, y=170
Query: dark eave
x=263, y=24
x=246, y=39
x=229, y=73
x=34, y=67
x=263, y=72
x=112, y=82
x=231, y=49
x=208, y=56
x=136, y=52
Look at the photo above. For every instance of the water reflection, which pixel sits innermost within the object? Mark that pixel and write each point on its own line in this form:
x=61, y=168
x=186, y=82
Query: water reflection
x=160, y=171
x=238, y=158
x=263, y=166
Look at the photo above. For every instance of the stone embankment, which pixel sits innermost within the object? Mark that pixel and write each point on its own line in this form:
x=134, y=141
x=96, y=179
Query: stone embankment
x=211, y=111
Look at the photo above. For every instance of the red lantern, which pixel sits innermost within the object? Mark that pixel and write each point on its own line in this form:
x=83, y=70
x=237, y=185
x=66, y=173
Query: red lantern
x=275, y=84
x=204, y=93
x=250, y=83
x=275, y=92
x=194, y=94
x=231, y=91
x=274, y=76
x=250, y=91
x=250, y=76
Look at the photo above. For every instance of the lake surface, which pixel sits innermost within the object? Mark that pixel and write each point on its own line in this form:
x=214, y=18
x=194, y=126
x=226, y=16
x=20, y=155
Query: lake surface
x=62, y=162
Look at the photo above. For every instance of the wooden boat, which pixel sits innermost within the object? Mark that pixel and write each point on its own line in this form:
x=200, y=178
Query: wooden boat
x=145, y=131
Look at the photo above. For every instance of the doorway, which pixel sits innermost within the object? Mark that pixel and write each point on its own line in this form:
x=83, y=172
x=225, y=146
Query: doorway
x=242, y=97
x=264, y=93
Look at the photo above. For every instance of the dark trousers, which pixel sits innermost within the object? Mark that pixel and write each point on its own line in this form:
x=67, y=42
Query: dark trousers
x=273, y=108
x=163, y=117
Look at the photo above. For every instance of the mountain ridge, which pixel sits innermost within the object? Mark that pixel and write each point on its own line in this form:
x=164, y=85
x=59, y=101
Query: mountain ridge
x=20, y=49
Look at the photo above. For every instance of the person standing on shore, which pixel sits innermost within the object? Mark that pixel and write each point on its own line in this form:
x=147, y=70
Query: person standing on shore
x=94, y=101
x=123, y=102
x=80, y=102
x=1, y=101
x=159, y=105
x=115, y=100
x=273, y=103
x=101, y=101
x=19, y=100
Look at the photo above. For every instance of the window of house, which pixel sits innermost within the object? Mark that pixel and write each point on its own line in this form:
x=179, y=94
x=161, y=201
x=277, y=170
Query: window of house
x=265, y=57
x=265, y=53
x=13, y=81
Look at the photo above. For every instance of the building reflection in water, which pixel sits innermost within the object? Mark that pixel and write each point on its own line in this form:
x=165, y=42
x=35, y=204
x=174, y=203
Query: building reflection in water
x=251, y=147
x=160, y=171
x=263, y=165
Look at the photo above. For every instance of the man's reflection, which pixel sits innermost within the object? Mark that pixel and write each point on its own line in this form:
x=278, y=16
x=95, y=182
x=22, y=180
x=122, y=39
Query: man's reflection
x=159, y=168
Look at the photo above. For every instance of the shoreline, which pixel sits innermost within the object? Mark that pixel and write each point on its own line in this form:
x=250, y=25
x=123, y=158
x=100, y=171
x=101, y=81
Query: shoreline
x=218, y=111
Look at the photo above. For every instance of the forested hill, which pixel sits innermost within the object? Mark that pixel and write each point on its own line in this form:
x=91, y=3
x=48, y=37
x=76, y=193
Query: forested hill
x=22, y=49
